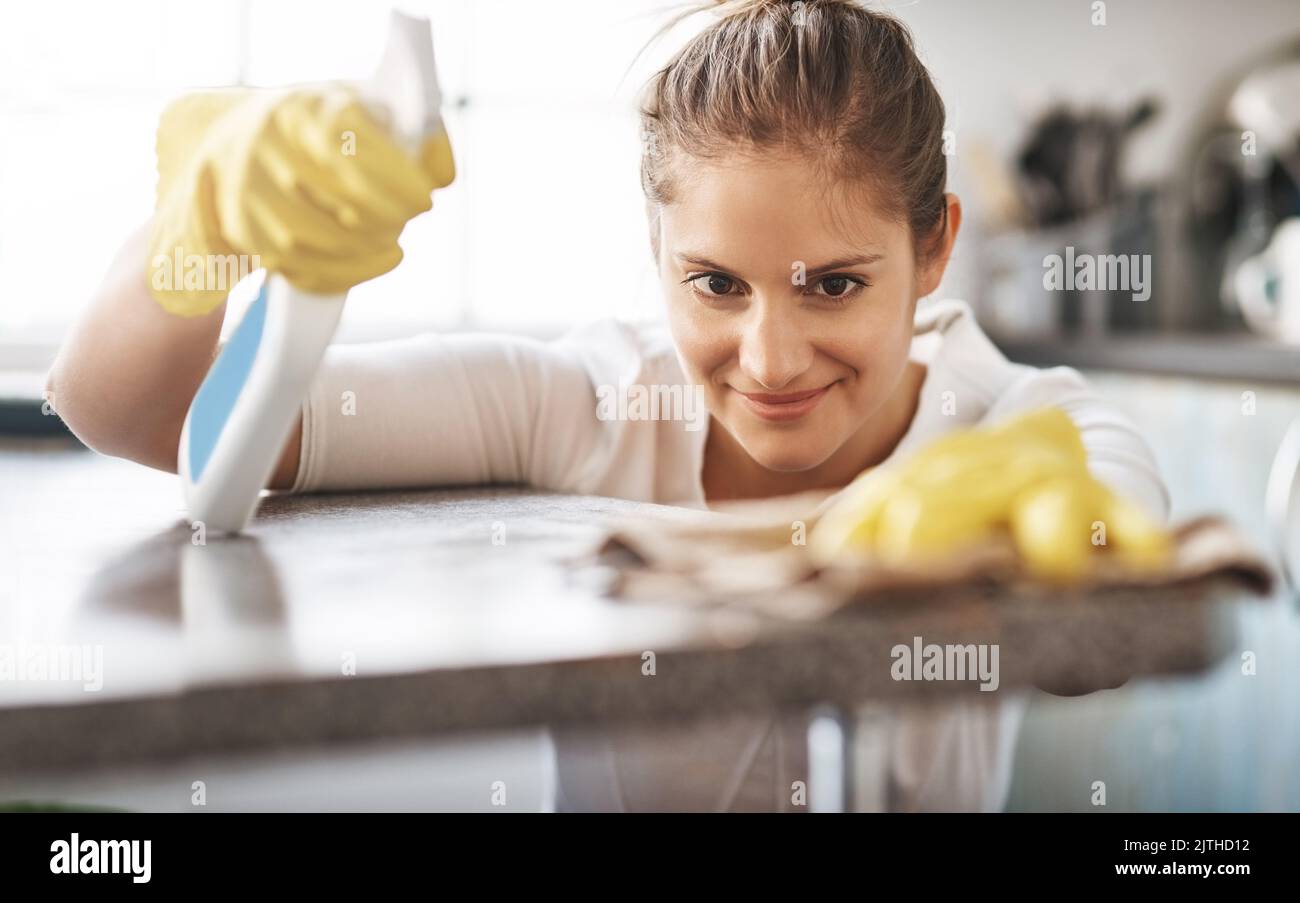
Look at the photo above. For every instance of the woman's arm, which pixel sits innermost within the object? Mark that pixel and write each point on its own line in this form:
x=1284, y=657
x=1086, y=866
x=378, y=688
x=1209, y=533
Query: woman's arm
x=127, y=372
x=460, y=409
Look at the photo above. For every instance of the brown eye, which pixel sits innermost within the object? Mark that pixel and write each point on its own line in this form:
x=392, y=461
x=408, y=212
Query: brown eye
x=713, y=284
x=719, y=285
x=835, y=285
x=838, y=290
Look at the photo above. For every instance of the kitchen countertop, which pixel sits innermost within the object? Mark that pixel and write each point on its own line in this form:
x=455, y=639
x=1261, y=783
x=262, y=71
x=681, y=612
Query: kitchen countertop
x=344, y=617
x=1230, y=356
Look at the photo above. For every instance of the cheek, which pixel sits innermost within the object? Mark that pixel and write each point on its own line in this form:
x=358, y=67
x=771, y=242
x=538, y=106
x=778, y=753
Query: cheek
x=875, y=342
x=703, y=345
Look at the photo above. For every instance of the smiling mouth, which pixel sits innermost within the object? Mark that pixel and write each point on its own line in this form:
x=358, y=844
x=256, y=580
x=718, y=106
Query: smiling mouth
x=790, y=406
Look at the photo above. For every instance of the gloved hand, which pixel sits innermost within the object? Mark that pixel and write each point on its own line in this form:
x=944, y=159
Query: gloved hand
x=1027, y=478
x=305, y=179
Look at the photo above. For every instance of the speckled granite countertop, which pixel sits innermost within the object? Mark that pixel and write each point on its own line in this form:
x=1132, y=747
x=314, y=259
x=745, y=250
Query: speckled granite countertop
x=381, y=615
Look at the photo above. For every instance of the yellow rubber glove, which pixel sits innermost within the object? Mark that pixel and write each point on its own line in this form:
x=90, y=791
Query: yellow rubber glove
x=305, y=180
x=1027, y=478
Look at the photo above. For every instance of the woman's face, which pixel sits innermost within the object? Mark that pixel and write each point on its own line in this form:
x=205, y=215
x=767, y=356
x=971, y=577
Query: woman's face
x=790, y=303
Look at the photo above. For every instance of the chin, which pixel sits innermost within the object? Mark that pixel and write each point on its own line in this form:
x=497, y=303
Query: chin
x=789, y=453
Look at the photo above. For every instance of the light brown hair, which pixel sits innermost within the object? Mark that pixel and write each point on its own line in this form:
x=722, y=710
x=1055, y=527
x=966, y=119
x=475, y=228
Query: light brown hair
x=836, y=83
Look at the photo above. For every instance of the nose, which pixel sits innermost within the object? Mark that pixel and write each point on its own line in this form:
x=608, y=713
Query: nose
x=773, y=349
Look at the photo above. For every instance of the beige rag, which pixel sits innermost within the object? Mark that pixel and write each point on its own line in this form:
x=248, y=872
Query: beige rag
x=747, y=555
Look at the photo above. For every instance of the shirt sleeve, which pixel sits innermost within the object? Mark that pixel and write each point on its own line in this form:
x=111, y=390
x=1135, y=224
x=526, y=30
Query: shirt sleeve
x=449, y=410
x=1117, y=454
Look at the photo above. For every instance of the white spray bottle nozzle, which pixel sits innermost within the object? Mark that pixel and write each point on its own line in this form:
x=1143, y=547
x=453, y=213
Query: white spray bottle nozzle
x=405, y=86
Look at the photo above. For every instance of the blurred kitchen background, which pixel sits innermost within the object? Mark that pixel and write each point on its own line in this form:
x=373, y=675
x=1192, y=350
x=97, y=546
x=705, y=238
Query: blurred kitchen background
x=1117, y=138
x=1168, y=128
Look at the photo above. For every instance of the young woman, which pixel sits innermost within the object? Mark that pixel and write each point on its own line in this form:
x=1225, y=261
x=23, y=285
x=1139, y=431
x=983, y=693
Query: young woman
x=795, y=187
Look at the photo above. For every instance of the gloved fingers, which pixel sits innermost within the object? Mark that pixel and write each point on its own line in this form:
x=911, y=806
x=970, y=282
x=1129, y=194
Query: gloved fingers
x=315, y=158
x=294, y=220
x=298, y=174
x=322, y=269
x=913, y=526
x=183, y=126
x=1052, y=526
x=1138, y=539
x=994, y=472
x=1049, y=426
x=850, y=524
x=381, y=158
x=437, y=160
x=1049, y=430
x=323, y=143
x=370, y=200
x=368, y=165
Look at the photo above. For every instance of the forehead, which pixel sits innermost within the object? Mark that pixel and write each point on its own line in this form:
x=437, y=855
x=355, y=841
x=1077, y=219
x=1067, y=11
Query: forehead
x=773, y=209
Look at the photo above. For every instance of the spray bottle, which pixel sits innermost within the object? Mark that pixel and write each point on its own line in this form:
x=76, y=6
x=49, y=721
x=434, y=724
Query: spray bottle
x=244, y=411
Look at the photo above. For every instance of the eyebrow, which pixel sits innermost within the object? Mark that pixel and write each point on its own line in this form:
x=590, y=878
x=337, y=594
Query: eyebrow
x=830, y=266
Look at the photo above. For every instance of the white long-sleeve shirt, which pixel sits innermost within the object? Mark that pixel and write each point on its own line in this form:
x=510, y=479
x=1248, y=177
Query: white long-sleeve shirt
x=479, y=408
